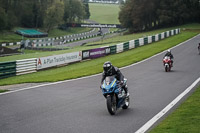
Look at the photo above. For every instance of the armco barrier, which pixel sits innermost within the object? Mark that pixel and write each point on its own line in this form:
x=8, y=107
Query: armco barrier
x=159, y=37
x=131, y=44
x=113, y=49
x=126, y=46
x=153, y=38
x=137, y=44
x=26, y=66
x=156, y=37
x=120, y=48
x=145, y=40
x=170, y=33
x=149, y=39
x=7, y=69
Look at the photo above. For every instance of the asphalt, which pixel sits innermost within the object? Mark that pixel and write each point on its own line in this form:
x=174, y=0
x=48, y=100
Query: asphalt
x=78, y=106
x=83, y=42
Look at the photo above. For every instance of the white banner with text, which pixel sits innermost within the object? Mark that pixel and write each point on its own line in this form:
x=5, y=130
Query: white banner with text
x=51, y=61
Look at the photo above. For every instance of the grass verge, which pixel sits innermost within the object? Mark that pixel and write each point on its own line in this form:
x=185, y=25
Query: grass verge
x=2, y=91
x=95, y=66
x=104, y=13
x=185, y=119
x=10, y=36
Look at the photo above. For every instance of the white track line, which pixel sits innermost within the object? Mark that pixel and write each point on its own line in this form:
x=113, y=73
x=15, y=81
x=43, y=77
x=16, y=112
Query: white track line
x=28, y=88
x=147, y=125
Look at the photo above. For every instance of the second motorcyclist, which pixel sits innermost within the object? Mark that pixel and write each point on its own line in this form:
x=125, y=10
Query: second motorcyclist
x=110, y=70
x=170, y=55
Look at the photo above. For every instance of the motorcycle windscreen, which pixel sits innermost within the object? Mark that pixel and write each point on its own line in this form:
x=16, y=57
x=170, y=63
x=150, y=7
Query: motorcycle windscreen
x=109, y=79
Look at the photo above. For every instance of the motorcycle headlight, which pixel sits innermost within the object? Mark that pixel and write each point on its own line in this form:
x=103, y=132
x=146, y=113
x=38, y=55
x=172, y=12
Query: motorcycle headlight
x=107, y=83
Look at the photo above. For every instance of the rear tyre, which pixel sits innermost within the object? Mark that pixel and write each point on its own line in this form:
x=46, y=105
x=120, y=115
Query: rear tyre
x=111, y=104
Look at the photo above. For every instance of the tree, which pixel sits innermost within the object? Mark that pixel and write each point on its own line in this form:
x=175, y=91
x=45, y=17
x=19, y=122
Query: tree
x=2, y=19
x=54, y=15
x=140, y=15
x=87, y=10
x=74, y=11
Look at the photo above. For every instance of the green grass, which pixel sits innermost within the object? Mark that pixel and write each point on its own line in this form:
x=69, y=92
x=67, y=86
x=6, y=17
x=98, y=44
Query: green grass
x=104, y=13
x=95, y=66
x=2, y=91
x=105, y=42
x=185, y=119
x=10, y=36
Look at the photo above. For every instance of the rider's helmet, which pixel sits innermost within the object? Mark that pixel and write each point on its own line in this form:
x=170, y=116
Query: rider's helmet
x=169, y=51
x=107, y=67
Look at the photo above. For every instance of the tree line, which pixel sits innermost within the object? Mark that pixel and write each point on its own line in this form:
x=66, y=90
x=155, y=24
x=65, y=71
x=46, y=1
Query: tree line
x=144, y=15
x=41, y=13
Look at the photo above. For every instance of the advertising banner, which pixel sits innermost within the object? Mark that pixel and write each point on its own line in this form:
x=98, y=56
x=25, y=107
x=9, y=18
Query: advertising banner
x=85, y=54
x=95, y=53
x=88, y=25
x=107, y=49
x=98, y=52
x=51, y=61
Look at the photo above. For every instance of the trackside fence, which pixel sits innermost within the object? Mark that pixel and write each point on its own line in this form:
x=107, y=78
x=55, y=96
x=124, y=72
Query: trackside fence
x=7, y=69
x=20, y=67
x=26, y=66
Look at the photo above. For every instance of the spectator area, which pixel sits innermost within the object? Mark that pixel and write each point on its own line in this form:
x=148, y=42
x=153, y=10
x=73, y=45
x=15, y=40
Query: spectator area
x=32, y=33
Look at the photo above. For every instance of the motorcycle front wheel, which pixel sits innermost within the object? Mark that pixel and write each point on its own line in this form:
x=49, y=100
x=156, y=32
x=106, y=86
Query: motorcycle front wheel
x=166, y=68
x=111, y=104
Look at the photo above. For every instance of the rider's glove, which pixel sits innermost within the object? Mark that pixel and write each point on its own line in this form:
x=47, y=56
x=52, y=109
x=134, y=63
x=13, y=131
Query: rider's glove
x=121, y=82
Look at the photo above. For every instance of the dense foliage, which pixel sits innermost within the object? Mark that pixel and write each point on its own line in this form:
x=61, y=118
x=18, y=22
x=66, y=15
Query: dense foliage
x=141, y=15
x=41, y=13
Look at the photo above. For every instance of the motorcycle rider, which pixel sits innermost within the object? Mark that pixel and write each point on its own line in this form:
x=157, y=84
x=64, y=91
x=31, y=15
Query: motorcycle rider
x=110, y=70
x=170, y=55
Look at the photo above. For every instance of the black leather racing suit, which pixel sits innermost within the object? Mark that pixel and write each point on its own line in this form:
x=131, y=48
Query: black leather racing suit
x=170, y=55
x=118, y=75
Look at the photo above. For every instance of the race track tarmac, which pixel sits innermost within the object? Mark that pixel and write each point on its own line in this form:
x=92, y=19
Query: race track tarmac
x=78, y=106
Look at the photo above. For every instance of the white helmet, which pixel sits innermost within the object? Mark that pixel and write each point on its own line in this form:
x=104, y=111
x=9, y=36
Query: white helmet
x=169, y=50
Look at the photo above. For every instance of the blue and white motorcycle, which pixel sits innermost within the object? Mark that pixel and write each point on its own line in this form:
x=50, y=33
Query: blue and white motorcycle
x=114, y=94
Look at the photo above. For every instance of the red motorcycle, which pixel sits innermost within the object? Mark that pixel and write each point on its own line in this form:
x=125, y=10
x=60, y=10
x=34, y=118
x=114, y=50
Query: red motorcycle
x=167, y=62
